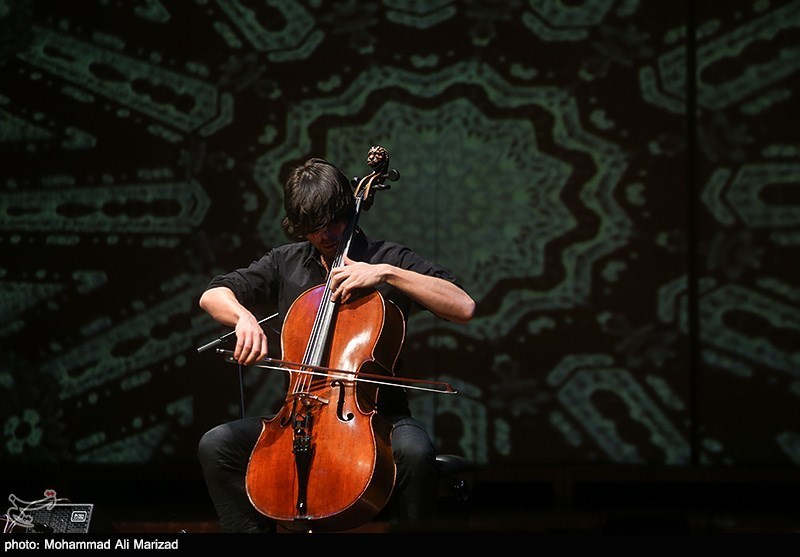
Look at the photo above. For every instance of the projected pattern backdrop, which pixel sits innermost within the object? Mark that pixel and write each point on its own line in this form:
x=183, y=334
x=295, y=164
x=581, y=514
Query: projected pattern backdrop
x=635, y=270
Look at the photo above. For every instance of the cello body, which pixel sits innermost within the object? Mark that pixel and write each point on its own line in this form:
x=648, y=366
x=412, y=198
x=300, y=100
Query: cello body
x=324, y=462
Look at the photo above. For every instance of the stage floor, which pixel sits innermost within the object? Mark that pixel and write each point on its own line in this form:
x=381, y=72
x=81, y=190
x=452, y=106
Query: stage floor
x=552, y=499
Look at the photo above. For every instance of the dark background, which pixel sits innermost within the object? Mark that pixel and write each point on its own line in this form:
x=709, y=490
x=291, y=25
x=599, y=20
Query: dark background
x=615, y=183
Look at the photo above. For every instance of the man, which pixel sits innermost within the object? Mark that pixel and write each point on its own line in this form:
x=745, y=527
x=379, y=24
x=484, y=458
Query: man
x=319, y=203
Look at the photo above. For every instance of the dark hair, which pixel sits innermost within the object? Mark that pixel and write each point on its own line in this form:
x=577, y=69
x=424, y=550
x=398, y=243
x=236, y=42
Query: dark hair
x=315, y=195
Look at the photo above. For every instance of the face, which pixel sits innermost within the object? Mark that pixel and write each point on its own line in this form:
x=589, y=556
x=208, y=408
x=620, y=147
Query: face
x=326, y=240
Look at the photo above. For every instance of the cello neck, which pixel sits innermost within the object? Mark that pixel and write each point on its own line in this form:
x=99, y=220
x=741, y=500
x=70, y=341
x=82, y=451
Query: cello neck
x=315, y=349
x=347, y=239
x=378, y=160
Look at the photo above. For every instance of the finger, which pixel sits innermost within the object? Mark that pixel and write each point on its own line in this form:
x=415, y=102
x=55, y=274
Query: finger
x=338, y=276
x=237, y=351
x=251, y=358
x=248, y=348
x=245, y=354
x=258, y=350
x=264, y=352
x=343, y=293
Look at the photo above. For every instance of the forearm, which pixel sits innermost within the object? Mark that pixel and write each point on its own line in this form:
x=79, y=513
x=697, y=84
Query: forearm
x=441, y=297
x=221, y=304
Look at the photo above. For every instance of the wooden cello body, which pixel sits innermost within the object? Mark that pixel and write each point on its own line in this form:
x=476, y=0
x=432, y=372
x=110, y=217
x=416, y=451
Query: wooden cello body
x=324, y=461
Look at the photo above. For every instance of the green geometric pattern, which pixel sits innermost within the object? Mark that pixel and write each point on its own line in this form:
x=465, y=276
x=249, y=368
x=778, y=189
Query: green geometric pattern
x=634, y=263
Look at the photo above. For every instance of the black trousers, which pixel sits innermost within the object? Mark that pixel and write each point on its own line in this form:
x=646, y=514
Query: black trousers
x=224, y=451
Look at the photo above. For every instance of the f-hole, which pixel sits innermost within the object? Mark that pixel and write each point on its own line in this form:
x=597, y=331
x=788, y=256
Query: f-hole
x=340, y=405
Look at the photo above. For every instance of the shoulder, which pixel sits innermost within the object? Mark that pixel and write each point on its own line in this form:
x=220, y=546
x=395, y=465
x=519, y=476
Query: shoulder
x=291, y=251
x=278, y=258
x=399, y=255
x=386, y=251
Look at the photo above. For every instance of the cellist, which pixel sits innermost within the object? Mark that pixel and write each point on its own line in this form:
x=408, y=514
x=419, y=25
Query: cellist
x=318, y=201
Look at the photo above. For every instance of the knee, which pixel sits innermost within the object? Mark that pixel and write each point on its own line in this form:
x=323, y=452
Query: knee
x=416, y=456
x=413, y=446
x=211, y=444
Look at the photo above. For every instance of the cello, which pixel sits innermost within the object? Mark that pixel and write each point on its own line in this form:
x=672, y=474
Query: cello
x=324, y=462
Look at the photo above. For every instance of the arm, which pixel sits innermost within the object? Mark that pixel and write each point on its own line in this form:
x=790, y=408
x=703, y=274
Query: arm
x=441, y=297
x=222, y=305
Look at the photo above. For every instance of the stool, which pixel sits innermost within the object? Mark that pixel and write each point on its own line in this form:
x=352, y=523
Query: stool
x=456, y=478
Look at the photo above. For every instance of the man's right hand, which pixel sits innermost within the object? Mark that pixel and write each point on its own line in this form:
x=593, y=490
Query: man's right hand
x=251, y=342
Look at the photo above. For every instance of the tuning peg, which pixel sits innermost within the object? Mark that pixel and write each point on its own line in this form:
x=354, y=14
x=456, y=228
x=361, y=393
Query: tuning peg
x=392, y=175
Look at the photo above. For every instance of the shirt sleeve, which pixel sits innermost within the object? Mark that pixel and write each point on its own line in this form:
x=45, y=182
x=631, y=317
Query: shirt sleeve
x=414, y=262
x=406, y=258
x=251, y=285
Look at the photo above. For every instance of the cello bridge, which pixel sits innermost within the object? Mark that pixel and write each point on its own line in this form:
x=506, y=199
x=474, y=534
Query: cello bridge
x=308, y=399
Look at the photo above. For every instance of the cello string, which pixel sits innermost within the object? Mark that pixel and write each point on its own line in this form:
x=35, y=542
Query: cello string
x=315, y=339
x=241, y=390
x=324, y=316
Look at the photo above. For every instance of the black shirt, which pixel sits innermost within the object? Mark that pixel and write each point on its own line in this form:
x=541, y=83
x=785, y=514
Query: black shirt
x=281, y=275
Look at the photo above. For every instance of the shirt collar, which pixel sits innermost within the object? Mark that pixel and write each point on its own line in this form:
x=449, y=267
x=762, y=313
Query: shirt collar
x=357, y=247
x=310, y=254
